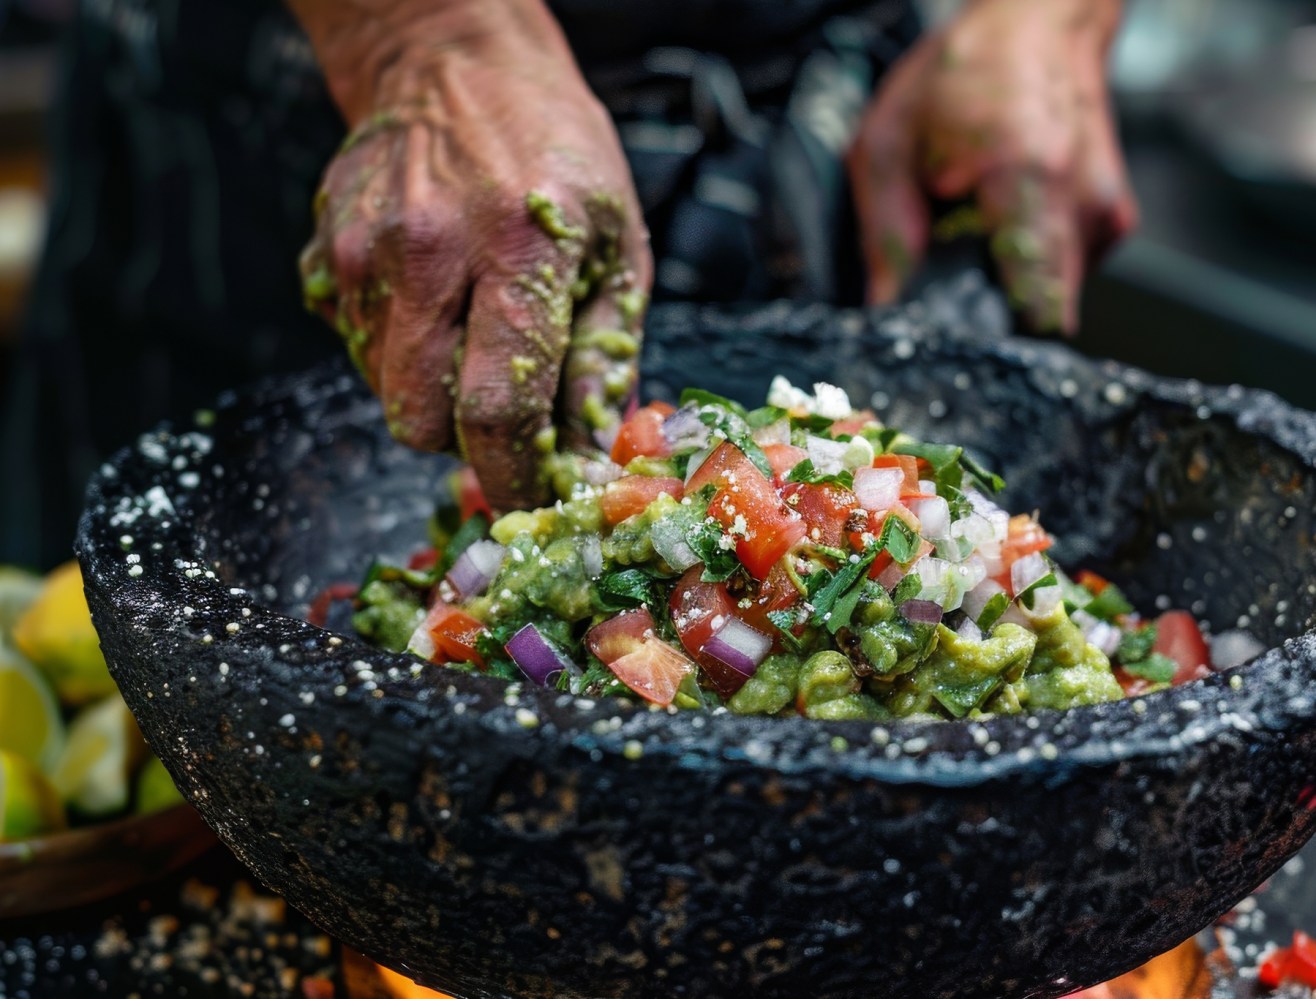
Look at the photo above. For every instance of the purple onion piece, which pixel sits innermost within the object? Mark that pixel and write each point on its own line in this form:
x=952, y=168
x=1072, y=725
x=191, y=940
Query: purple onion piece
x=476, y=567
x=684, y=429
x=738, y=646
x=921, y=611
x=538, y=658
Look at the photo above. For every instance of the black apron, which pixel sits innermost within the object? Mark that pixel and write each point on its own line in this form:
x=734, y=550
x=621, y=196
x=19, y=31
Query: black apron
x=189, y=139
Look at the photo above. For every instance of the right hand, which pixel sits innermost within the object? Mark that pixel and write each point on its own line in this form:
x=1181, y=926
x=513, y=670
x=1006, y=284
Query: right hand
x=480, y=247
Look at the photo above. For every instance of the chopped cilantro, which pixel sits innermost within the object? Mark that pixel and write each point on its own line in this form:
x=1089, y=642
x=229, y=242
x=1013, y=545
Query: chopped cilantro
x=700, y=397
x=706, y=542
x=1136, y=646
x=1109, y=604
x=1156, y=668
x=899, y=539
x=992, y=610
x=805, y=472
x=907, y=589
x=627, y=588
x=1029, y=593
x=849, y=575
x=784, y=620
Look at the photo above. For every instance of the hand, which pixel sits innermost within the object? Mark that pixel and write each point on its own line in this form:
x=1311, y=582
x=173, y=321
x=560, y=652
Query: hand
x=1006, y=105
x=479, y=244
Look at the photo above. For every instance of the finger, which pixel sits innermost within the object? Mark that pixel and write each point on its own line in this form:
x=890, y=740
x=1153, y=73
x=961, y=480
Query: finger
x=1109, y=209
x=1036, y=244
x=601, y=370
x=889, y=202
x=420, y=252
x=508, y=377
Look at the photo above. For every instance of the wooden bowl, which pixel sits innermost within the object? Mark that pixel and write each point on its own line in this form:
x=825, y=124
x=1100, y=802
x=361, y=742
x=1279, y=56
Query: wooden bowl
x=72, y=868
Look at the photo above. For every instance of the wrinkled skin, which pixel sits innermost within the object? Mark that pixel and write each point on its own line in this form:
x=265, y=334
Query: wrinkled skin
x=1005, y=106
x=479, y=244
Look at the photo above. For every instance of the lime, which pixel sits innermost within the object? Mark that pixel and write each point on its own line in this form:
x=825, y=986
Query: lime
x=18, y=588
x=56, y=633
x=30, y=723
x=29, y=805
x=155, y=788
x=104, y=747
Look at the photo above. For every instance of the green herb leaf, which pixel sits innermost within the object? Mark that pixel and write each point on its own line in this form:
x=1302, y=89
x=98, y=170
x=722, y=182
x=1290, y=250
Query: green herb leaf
x=847, y=575
x=1029, y=593
x=989, y=481
x=1109, y=604
x=706, y=542
x=898, y=538
x=1156, y=667
x=992, y=610
x=812, y=422
x=939, y=456
x=907, y=589
x=764, y=416
x=805, y=472
x=627, y=588
x=702, y=398
x=784, y=620
x=1136, y=646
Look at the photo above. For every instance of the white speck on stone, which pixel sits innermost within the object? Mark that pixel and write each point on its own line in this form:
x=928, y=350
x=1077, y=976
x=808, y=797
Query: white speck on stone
x=527, y=718
x=288, y=720
x=223, y=669
x=233, y=627
x=633, y=749
x=134, y=570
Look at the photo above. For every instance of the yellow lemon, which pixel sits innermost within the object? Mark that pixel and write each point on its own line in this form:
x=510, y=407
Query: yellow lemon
x=155, y=788
x=29, y=806
x=56, y=633
x=18, y=588
x=30, y=723
x=104, y=748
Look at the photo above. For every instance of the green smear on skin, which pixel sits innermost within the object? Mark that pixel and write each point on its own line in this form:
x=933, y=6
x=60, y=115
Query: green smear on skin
x=547, y=214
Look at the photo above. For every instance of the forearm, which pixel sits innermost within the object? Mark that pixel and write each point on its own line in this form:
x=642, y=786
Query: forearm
x=370, y=46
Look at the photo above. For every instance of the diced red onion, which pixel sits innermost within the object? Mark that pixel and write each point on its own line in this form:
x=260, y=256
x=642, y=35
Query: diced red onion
x=776, y=432
x=878, y=488
x=738, y=646
x=1102, y=634
x=975, y=528
x=537, y=656
x=1233, y=648
x=969, y=631
x=1026, y=571
x=476, y=567
x=591, y=555
x=671, y=545
x=1045, y=600
x=921, y=611
x=891, y=576
x=605, y=437
x=827, y=455
x=600, y=473
x=697, y=459
x=933, y=573
x=684, y=429
x=933, y=516
x=975, y=600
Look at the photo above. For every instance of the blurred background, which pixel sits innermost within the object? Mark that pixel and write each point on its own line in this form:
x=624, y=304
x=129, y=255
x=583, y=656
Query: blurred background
x=1217, y=100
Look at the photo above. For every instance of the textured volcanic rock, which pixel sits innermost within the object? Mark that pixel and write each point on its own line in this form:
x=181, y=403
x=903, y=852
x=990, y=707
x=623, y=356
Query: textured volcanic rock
x=500, y=841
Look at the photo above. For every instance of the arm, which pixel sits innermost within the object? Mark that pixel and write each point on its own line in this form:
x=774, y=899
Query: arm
x=1006, y=105
x=478, y=243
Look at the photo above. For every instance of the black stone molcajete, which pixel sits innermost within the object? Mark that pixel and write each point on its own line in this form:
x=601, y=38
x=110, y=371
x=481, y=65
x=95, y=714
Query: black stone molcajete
x=503, y=841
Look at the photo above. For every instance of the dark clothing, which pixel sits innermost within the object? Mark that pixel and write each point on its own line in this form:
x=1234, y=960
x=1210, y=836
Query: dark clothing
x=190, y=138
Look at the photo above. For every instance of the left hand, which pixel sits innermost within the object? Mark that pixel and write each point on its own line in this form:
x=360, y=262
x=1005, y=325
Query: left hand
x=1007, y=105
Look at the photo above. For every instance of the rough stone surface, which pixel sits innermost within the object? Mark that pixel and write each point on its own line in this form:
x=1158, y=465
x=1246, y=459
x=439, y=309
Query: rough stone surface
x=496, y=841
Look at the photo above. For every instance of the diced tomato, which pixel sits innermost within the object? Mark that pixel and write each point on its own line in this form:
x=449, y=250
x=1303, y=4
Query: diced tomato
x=632, y=494
x=726, y=464
x=908, y=464
x=775, y=592
x=423, y=559
x=1179, y=638
x=455, y=633
x=617, y=636
x=1091, y=582
x=654, y=670
x=642, y=435
x=784, y=457
x=470, y=497
x=699, y=609
x=1296, y=963
x=824, y=508
x=318, y=613
x=880, y=564
x=1024, y=536
x=747, y=505
x=854, y=423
